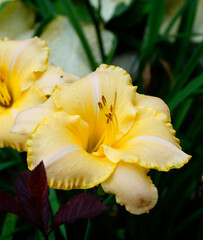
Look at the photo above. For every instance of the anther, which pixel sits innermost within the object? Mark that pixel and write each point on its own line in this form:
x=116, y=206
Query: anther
x=100, y=105
x=110, y=116
x=111, y=108
x=104, y=100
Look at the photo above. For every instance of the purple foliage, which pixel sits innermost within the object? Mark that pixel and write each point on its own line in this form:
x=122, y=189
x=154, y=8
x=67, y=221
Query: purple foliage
x=32, y=198
x=84, y=205
x=32, y=202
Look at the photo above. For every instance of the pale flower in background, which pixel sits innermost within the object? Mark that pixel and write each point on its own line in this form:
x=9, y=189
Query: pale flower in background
x=101, y=131
x=66, y=49
x=17, y=21
x=109, y=7
x=171, y=9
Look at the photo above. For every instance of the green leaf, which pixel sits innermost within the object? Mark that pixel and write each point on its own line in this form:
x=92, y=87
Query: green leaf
x=189, y=67
x=4, y=5
x=5, y=165
x=8, y=226
x=186, y=92
x=186, y=25
x=174, y=19
x=97, y=28
x=182, y=113
x=150, y=37
x=72, y=15
x=54, y=208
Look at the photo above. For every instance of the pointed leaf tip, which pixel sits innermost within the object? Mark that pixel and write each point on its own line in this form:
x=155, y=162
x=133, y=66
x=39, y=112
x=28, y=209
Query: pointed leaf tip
x=39, y=195
x=37, y=183
x=81, y=206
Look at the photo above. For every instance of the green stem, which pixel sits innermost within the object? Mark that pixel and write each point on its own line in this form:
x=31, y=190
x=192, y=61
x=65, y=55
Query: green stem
x=88, y=229
x=97, y=28
x=109, y=201
x=72, y=15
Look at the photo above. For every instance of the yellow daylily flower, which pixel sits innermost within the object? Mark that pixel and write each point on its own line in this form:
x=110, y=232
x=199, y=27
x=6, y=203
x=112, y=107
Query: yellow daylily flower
x=101, y=131
x=25, y=80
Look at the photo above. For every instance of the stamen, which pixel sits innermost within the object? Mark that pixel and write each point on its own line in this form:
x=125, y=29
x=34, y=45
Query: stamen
x=110, y=116
x=111, y=128
x=100, y=105
x=5, y=97
x=104, y=100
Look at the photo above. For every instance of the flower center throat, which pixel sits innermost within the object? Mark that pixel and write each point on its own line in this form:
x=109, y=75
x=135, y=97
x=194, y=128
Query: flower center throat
x=5, y=97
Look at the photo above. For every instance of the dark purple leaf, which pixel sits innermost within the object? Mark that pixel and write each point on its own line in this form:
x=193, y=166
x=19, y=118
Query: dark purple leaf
x=33, y=193
x=21, y=187
x=37, y=183
x=84, y=205
x=39, y=196
x=8, y=203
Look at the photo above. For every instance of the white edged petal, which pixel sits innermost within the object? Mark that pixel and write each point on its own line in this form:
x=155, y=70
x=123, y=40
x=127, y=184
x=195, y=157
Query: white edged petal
x=132, y=188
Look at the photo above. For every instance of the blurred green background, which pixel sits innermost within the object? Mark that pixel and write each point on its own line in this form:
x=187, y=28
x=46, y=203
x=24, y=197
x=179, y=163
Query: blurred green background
x=159, y=42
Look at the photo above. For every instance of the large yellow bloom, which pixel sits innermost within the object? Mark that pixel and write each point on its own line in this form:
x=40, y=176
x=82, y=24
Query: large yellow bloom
x=103, y=131
x=25, y=80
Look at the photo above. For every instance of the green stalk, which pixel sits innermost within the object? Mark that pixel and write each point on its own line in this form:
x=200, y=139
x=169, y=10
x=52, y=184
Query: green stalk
x=8, y=226
x=88, y=229
x=42, y=8
x=186, y=25
x=72, y=15
x=150, y=37
x=54, y=204
x=97, y=28
x=186, y=92
x=196, y=215
x=49, y=7
x=178, y=14
x=182, y=113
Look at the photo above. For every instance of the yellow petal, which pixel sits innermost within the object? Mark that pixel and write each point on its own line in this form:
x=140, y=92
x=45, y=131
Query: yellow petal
x=154, y=102
x=150, y=143
x=61, y=141
x=17, y=21
x=20, y=61
x=28, y=98
x=132, y=187
x=109, y=82
x=28, y=119
x=8, y=139
x=53, y=76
